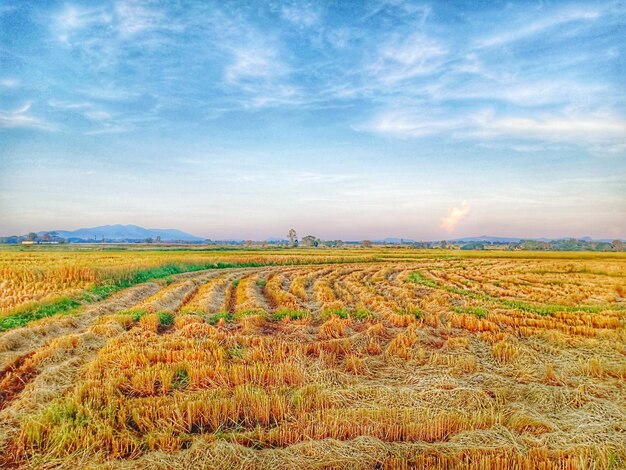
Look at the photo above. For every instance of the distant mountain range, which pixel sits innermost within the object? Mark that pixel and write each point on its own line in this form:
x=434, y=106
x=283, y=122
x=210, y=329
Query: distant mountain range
x=135, y=233
x=125, y=232
x=394, y=241
x=490, y=239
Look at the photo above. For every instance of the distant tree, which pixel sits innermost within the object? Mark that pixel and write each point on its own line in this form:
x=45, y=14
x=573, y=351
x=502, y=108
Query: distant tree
x=149, y=240
x=32, y=236
x=444, y=244
x=618, y=245
x=249, y=243
x=46, y=237
x=158, y=239
x=293, y=237
x=367, y=243
x=473, y=246
x=309, y=241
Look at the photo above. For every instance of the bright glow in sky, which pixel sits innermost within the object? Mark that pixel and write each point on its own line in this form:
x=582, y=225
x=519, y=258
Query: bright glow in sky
x=346, y=120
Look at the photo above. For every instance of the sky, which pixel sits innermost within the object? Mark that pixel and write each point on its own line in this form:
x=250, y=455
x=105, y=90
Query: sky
x=341, y=119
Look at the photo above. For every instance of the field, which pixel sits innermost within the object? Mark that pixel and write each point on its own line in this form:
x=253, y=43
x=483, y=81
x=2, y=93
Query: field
x=346, y=358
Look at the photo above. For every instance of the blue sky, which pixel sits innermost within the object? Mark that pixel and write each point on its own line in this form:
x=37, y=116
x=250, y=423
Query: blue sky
x=342, y=119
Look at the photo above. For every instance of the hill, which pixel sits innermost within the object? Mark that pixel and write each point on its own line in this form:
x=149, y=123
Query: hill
x=125, y=233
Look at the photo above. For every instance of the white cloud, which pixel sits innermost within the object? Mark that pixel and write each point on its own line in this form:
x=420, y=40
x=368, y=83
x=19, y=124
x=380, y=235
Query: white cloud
x=538, y=26
x=403, y=58
x=74, y=19
x=134, y=18
x=89, y=110
x=561, y=127
x=593, y=130
x=524, y=92
x=302, y=15
x=455, y=215
x=9, y=83
x=255, y=72
x=253, y=62
x=409, y=123
x=20, y=118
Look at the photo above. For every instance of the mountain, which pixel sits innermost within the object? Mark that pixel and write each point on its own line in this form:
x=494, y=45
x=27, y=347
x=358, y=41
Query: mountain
x=126, y=233
x=394, y=241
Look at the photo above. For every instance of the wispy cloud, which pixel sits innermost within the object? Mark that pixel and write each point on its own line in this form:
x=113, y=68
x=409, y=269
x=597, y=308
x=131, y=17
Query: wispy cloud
x=591, y=130
x=135, y=17
x=455, y=216
x=254, y=62
x=541, y=23
x=403, y=58
x=21, y=118
x=410, y=123
x=9, y=82
x=73, y=19
x=567, y=127
x=305, y=15
x=89, y=110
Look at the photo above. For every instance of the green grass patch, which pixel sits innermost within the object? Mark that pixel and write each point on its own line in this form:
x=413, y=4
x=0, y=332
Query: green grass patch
x=166, y=318
x=65, y=412
x=181, y=379
x=479, y=312
x=362, y=314
x=226, y=316
x=418, y=278
x=250, y=313
x=415, y=312
x=236, y=352
x=136, y=314
x=261, y=282
x=292, y=314
x=339, y=312
x=60, y=306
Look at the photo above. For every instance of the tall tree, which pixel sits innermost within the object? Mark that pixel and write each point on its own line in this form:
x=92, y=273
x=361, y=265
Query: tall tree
x=310, y=240
x=293, y=237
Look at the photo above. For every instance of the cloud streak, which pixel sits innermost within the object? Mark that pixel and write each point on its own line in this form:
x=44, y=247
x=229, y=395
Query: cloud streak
x=537, y=26
x=403, y=58
x=589, y=130
x=21, y=118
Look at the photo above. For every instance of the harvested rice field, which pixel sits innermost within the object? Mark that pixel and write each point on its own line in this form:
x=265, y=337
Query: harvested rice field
x=299, y=358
